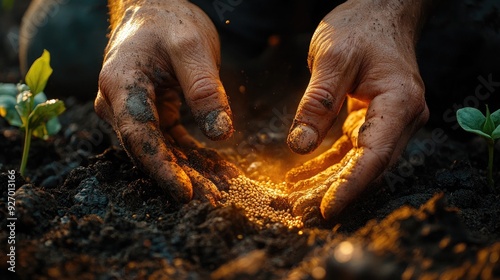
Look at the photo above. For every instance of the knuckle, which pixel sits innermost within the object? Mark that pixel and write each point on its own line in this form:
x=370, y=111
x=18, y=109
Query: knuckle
x=204, y=89
x=105, y=79
x=127, y=135
x=101, y=107
x=124, y=128
x=416, y=89
x=318, y=101
x=186, y=42
x=332, y=50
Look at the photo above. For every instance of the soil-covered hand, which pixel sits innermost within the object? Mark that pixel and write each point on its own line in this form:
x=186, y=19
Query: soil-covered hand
x=157, y=51
x=365, y=50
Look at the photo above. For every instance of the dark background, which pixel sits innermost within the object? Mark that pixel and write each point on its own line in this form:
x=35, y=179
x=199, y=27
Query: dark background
x=264, y=51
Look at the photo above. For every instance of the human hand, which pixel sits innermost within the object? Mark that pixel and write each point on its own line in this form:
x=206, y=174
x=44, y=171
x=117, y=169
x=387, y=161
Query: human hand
x=365, y=50
x=158, y=50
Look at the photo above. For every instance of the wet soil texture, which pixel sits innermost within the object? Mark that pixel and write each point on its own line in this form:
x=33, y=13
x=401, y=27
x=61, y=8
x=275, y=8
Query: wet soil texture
x=89, y=213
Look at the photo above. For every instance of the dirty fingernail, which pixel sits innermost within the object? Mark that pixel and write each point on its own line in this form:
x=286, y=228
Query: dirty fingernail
x=218, y=125
x=303, y=139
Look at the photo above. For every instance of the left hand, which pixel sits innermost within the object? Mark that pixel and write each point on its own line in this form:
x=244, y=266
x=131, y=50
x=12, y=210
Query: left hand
x=364, y=50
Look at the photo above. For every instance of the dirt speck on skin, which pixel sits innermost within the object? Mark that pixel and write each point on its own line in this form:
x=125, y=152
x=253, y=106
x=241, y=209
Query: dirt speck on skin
x=365, y=126
x=149, y=148
x=327, y=103
x=137, y=105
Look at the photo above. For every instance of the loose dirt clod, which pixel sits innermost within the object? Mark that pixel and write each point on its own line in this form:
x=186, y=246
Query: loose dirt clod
x=264, y=202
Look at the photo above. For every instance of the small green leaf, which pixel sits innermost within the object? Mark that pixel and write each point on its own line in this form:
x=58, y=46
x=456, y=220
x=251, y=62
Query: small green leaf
x=495, y=117
x=24, y=105
x=53, y=126
x=8, y=89
x=39, y=73
x=44, y=112
x=488, y=126
x=22, y=87
x=50, y=128
x=496, y=133
x=40, y=132
x=7, y=103
x=472, y=120
x=40, y=98
x=8, y=110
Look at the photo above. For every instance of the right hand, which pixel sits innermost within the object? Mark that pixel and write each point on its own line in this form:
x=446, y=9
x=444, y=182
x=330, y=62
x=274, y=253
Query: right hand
x=156, y=52
x=364, y=50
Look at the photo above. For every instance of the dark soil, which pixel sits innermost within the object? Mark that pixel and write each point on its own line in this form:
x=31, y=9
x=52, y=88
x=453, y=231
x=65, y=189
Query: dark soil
x=86, y=212
x=89, y=213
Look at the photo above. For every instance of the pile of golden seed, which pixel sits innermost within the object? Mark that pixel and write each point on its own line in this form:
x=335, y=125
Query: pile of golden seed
x=264, y=202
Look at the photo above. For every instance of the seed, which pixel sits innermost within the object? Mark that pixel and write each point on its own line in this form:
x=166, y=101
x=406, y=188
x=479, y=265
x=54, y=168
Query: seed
x=264, y=202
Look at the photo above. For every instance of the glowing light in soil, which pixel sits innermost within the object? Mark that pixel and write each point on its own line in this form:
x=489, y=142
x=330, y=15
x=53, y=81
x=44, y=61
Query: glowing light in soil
x=318, y=272
x=344, y=251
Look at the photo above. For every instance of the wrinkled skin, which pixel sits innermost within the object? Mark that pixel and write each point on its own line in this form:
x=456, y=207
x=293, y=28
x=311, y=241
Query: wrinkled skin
x=156, y=52
x=366, y=52
x=160, y=49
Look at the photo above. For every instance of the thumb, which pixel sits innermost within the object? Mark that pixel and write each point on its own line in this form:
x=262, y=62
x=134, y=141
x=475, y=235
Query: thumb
x=198, y=75
x=330, y=81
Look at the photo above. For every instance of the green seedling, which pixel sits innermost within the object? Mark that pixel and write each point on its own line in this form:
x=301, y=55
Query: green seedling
x=27, y=107
x=488, y=127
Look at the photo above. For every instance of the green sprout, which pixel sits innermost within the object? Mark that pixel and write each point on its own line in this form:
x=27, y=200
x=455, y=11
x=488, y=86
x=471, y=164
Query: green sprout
x=472, y=120
x=27, y=107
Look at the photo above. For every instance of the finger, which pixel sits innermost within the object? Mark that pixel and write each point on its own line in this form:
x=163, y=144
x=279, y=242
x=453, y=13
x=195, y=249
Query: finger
x=381, y=137
x=333, y=156
x=212, y=166
x=182, y=137
x=352, y=124
x=309, y=193
x=354, y=104
x=130, y=98
x=102, y=109
x=203, y=188
x=306, y=199
x=322, y=162
x=196, y=68
x=168, y=106
x=313, y=189
x=331, y=78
